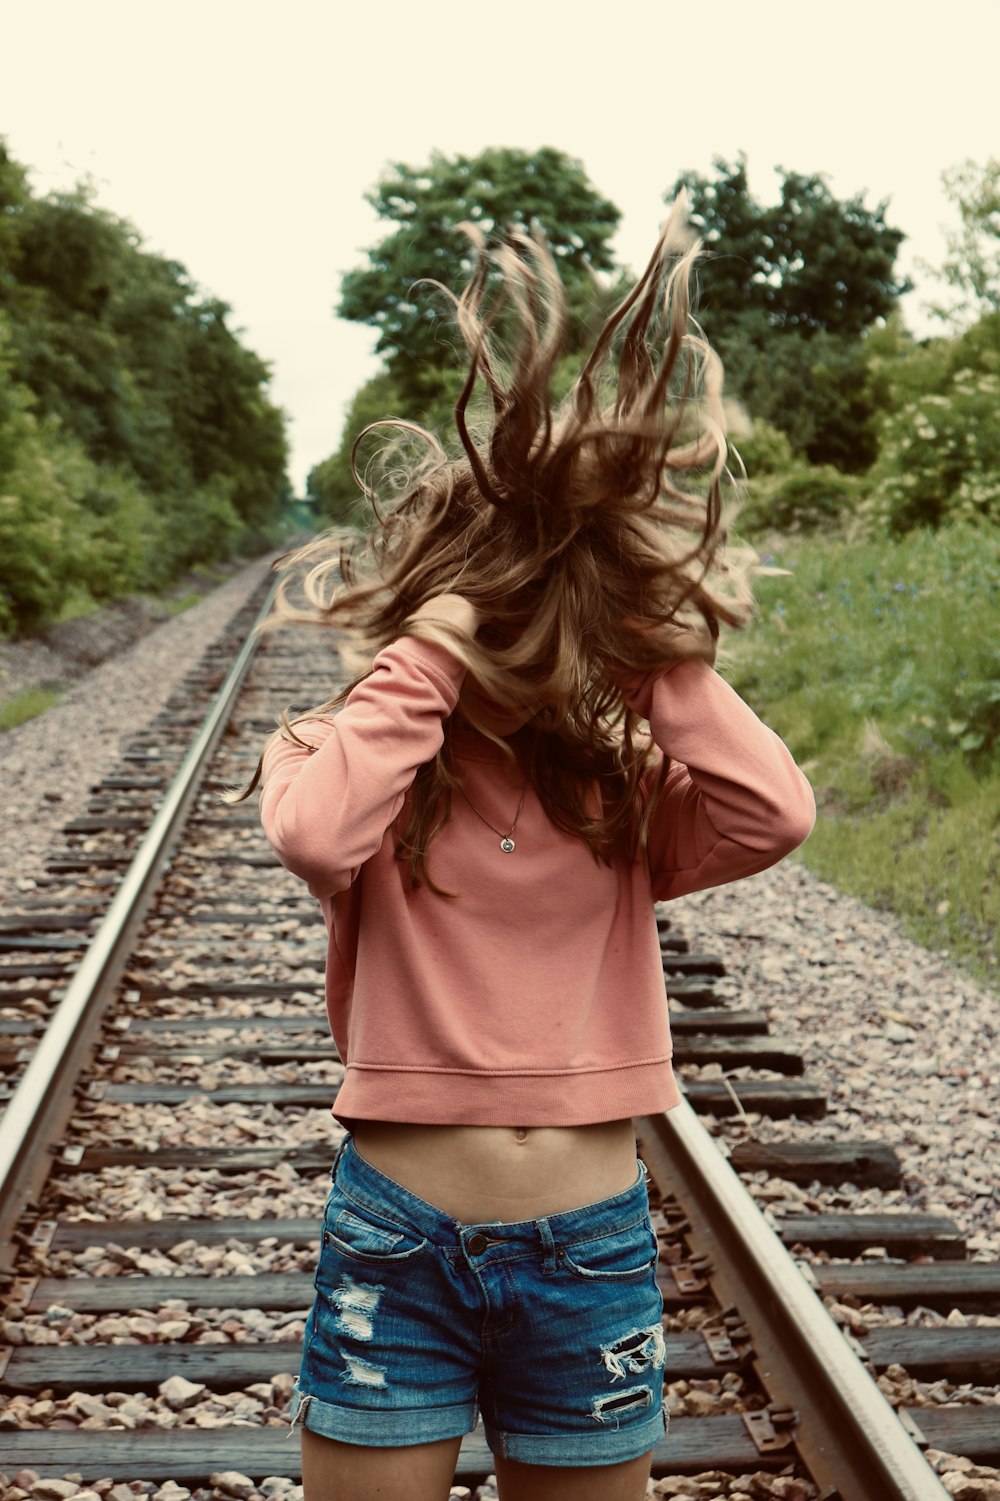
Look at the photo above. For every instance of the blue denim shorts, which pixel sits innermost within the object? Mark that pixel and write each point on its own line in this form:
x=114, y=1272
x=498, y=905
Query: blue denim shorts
x=550, y=1327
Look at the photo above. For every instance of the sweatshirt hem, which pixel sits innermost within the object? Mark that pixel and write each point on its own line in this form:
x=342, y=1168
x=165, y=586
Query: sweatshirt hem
x=502, y=1099
x=516, y=1070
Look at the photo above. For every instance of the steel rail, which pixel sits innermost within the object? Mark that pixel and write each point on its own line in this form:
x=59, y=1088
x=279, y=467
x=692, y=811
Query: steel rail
x=847, y=1434
x=43, y=1102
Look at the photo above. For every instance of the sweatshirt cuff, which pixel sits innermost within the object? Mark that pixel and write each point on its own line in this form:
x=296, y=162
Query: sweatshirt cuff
x=438, y=663
x=638, y=688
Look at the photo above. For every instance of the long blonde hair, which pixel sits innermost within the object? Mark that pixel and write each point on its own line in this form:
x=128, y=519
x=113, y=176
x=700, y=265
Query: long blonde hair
x=590, y=537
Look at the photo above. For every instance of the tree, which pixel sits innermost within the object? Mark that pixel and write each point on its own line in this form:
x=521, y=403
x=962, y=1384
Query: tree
x=135, y=361
x=502, y=186
x=810, y=261
x=788, y=289
x=13, y=197
x=972, y=266
x=939, y=443
x=136, y=433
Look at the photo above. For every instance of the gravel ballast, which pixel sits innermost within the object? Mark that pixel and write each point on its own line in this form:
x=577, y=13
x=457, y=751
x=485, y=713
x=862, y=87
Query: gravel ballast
x=48, y=764
x=903, y=1043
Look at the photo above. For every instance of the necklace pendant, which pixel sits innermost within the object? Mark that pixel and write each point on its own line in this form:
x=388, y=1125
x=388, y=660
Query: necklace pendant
x=507, y=845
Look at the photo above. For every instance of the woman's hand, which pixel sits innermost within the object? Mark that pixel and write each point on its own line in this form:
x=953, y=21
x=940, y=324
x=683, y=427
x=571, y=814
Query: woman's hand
x=450, y=609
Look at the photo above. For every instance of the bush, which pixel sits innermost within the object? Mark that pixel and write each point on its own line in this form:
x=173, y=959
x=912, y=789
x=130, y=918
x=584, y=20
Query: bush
x=806, y=498
x=42, y=528
x=197, y=526
x=939, y=459
x=764, y=449
x=71, y=529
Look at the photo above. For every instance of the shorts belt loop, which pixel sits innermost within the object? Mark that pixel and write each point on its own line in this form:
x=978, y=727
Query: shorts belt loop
x=548, y=1247
x=336, y=1161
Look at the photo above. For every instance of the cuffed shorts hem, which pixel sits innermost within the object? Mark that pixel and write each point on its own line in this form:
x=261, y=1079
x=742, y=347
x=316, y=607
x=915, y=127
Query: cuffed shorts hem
x=382, y=1428
x=609, y=1447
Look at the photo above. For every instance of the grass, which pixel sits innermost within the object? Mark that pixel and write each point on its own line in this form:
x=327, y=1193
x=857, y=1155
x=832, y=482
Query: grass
x=180, y=603
x=879, y=663
x=26, y=705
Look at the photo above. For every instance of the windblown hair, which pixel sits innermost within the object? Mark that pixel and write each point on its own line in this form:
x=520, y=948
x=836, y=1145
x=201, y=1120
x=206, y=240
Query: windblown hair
x=590, y=537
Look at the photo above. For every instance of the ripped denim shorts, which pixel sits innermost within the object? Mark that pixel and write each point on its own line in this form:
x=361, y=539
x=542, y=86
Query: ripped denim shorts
x=550, y=1327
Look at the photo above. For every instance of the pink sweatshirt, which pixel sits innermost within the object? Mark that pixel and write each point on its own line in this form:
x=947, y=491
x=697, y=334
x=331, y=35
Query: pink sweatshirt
x=536, y=996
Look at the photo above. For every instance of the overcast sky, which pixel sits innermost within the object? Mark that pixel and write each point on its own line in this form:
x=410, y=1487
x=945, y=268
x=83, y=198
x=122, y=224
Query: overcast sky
x=239, y=137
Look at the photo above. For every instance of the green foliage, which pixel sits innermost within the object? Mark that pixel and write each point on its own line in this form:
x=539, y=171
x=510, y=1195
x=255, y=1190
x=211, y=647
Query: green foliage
x=331, y=483
x=972, y=266
x=136, y=434
x=198, y=524
x=901, y=371
x=25, y=706
x=810, y=261
x=878, y=662
x=931, y=858
x=896, y=632
x=42, y=534
x=939, y=450
x=813, y=386
x=939, y=458
x=13, y=196
x=802, y=498
x=788, y=290
x=501, y=187
x=764, y=449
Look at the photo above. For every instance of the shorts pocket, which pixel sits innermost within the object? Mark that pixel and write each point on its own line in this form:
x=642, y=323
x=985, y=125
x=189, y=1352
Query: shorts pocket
x=356, y=1232
x=627, y=1255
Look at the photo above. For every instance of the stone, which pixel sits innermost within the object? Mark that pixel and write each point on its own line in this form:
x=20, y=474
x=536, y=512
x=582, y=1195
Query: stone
x=173, y=1328
x=93, y=1407
x=179, y=1393
x=700, y=1405
x=232, y=1483
x=787, y=1488
x=970, y=1487
x=54, y=1490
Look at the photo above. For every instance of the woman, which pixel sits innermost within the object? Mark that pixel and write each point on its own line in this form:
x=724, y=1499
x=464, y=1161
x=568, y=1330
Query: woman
x=486, y=824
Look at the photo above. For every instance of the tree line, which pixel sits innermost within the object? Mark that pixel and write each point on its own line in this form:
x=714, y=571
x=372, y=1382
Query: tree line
x=850, y=416
x=137, y=436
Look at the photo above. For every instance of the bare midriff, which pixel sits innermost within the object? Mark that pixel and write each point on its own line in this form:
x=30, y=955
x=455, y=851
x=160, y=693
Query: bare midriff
x=479, y=1174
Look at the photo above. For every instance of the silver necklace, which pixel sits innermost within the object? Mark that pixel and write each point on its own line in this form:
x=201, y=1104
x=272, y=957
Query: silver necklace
x=506, y=841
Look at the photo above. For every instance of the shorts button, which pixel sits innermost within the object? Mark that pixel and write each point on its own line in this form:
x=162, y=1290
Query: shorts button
x=476, y=1244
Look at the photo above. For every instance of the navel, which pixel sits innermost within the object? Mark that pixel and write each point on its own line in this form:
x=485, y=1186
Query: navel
x=521, y=1133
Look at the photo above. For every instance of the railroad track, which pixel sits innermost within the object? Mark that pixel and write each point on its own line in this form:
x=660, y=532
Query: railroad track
x=161, y=1033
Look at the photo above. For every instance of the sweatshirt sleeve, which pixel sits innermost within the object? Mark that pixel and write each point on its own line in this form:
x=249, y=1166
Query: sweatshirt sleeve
x=326, y=806
x=733, y=801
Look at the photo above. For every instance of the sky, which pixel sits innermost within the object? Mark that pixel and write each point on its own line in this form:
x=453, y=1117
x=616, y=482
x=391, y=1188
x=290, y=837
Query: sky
x=240, y=137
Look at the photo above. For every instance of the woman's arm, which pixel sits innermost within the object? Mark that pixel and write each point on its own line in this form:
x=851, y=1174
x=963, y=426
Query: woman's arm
x=734, y=801
x=326, y=805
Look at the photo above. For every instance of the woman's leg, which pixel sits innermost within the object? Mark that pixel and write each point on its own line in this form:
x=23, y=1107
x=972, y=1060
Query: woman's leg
x=332, y=1471
x=621, y=1482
